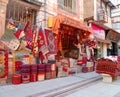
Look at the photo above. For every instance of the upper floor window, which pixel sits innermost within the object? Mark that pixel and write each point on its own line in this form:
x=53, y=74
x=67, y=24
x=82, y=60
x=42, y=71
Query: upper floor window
x=67, y=5
x=116, y=19
x=116, y=25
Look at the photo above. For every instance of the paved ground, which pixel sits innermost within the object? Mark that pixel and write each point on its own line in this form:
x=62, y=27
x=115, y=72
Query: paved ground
x=48, y=87
x=96, y=89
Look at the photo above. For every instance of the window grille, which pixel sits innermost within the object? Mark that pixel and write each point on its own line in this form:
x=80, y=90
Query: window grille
x=20, y=13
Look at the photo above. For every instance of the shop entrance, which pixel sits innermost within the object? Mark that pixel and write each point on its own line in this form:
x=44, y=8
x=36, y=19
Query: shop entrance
x=114, y=49
x=68, y=41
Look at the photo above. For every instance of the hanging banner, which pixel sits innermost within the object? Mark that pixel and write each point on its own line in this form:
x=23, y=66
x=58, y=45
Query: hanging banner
x=51, y=41
x=98, y=32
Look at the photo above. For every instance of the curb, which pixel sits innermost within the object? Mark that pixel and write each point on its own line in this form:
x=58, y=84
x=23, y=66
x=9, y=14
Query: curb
x=68, y=88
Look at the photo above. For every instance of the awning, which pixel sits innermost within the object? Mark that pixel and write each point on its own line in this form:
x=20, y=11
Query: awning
x=104, y=41
x=68, y=21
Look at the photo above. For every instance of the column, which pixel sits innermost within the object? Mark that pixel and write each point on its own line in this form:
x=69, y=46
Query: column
x=3, y=6
x=104, y=50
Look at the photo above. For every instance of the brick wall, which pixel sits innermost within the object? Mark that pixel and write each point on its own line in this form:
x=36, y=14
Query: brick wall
x=88, y=8
x=53, y=10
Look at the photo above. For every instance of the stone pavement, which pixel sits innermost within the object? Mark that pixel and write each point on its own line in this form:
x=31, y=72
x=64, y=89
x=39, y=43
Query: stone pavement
x=48, y=88
x=95, y=89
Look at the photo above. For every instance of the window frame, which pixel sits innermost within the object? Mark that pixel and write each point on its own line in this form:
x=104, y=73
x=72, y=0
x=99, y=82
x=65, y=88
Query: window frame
x=68, y=6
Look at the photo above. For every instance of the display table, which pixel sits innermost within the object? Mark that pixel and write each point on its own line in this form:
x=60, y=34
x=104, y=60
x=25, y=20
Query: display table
x=108, y=66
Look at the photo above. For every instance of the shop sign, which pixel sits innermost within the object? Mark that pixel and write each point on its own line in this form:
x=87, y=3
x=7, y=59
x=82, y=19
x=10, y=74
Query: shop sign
x=58, y=20
x=98, y=32
x=113, y=36
x=73, y=23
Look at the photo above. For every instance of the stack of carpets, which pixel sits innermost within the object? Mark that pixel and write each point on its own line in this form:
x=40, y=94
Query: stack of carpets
x=48, y=71
x=25, y=73
x=33, y=75
x=41, y=72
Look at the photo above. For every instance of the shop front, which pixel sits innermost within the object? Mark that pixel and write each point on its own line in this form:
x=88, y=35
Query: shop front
x=17, y=38
x=33, y=54
x=99, y=35
x=114, y=37
x=74, y=43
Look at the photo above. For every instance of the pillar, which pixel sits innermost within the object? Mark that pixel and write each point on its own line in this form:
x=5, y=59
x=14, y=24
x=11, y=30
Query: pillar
x=104, y=50
x=3, y=6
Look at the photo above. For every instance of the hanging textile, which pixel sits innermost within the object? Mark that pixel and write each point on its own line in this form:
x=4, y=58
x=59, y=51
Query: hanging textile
x=51, y=41
x=35, y=43
x=88, y=52
x=29, y=38
x=26, y=26
x=41, y=42
x=10, y=24
x=19, y=34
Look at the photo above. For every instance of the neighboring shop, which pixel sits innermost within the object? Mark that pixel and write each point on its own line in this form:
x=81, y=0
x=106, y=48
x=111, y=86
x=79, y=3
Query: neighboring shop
x=119, y=48
x=99, y=35
x=114, y=37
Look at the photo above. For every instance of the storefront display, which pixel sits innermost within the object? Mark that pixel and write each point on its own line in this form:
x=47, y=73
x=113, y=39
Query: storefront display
x=3, y=63
x=73, y=42
x=34, y=49
x=3, y=66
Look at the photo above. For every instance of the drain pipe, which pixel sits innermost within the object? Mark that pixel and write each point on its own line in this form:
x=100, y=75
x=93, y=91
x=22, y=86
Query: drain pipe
x=45, y=13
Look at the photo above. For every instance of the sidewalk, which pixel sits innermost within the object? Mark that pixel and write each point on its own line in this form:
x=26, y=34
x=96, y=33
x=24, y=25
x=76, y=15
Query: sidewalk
x=48, y=87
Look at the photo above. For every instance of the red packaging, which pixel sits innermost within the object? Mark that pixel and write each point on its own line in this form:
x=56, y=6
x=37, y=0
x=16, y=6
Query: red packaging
x=33, y=77
x=84, y=69
x=25, y=77
x=16, y=79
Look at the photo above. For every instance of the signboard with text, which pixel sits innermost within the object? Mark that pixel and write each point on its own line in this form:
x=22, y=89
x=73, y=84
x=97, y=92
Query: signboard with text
x=99, y=32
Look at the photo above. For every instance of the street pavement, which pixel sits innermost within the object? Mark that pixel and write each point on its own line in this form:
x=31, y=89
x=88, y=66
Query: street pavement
x=49, y=88
x=95, y=89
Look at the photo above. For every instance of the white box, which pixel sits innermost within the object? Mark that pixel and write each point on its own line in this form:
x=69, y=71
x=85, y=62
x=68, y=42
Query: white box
x=107, y=78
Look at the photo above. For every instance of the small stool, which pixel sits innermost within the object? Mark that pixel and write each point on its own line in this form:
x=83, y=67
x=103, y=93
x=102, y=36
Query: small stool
x=107, y=78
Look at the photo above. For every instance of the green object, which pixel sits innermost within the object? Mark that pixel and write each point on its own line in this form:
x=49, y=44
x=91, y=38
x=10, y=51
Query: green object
x=8, y=35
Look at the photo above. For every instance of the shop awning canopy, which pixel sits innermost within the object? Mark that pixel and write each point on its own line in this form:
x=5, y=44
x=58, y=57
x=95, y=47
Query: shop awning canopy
x=58, y=20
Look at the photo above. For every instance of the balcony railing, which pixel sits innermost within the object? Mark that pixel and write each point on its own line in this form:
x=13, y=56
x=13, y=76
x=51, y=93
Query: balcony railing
x=102, y=16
